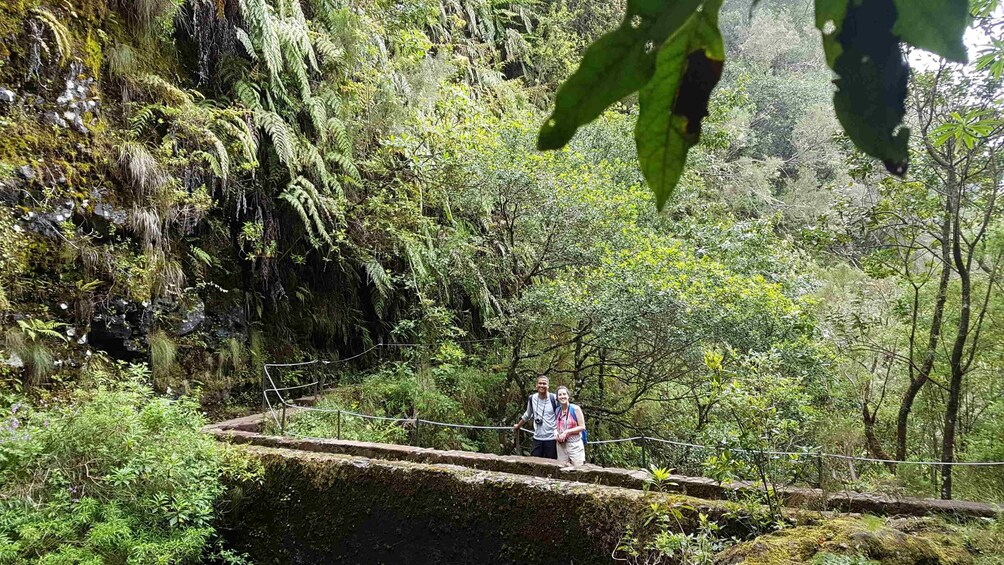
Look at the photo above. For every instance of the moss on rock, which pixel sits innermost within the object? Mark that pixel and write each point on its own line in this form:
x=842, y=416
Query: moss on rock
x=315, y=507
x=893, y=542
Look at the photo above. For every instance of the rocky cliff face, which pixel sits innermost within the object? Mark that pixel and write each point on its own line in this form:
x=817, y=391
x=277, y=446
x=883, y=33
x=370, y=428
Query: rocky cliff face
x=99, y=208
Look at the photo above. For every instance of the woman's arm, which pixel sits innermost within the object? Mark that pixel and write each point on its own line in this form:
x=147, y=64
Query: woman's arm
x=580, y=421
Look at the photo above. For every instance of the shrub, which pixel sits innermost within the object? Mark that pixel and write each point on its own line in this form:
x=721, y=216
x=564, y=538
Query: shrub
x=110, y=475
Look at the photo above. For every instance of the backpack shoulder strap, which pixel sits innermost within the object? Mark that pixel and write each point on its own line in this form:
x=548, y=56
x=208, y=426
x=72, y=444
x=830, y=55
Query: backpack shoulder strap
x=554, y=402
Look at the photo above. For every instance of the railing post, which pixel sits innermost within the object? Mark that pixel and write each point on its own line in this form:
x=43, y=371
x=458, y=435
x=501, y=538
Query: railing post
x=644, y=455
x=415, y=438
x=819, y=470
x=338, y=433
x=516, y=442
x=282, y=423
x=264, y=393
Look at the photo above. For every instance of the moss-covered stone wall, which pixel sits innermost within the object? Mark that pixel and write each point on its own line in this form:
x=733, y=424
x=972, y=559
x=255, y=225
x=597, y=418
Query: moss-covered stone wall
x=328, y=508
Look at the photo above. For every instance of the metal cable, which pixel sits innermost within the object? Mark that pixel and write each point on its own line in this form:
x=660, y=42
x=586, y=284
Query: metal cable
x=465, y=426
x=805, y=454
x=293, y=387
x=348, y=413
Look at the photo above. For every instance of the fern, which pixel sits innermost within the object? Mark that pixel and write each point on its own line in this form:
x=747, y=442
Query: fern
x=237, y=129
x=60, y=35
x=346, y=164
x=222, y=157
x=165, y=90
x=245, y=40
x=378, y=276
x=293, y=54
x=341, y=136
x=310, y=158
x=279, y=132
x=143, y=117
x=248, y=94
x=302, y=195
x=201, y=256
x=318, y=114
x=34, y=329
x=261, y=22
x=326, y=48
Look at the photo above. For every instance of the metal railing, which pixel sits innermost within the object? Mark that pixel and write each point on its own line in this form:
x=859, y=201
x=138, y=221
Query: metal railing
x=279, y=415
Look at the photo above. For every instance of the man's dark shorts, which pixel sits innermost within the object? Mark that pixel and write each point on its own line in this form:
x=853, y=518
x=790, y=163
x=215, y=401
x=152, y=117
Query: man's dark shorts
x=545, y=448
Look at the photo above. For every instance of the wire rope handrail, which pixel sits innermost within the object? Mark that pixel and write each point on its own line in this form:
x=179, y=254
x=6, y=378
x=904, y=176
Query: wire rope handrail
x=795, y=454
x=650, y=438
x=806, y=454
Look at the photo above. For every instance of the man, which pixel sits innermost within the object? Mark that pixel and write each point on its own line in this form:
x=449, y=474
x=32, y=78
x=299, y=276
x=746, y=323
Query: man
x=542, y=408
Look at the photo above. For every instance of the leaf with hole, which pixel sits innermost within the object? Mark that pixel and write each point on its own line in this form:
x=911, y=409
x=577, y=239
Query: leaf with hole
x=616, y=65
x=871, y=79
x=687, y=70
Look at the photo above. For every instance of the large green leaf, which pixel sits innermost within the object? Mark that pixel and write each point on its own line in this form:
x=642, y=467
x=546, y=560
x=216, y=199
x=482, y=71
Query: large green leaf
x=829, y=17
x=934, y=25
x=871, y=81
x=675, y=101
x=616, y=65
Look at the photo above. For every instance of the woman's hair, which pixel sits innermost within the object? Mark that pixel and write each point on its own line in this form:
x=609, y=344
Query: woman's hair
x=564, y=388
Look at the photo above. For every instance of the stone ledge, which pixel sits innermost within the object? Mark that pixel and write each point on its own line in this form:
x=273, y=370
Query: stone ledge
x=313, y=507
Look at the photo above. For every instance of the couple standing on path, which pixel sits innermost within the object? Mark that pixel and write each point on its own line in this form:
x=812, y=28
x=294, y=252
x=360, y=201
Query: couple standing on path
x=558, y=425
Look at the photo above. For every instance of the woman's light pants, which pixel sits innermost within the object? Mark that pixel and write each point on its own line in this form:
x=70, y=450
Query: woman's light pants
x=571, y=452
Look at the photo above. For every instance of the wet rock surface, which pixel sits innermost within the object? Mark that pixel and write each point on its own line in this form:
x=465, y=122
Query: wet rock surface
x=121, y=329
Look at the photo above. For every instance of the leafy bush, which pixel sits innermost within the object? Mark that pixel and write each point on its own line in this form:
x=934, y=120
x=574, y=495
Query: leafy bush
x=664, y=539
x=110, y=475
x=451, y=388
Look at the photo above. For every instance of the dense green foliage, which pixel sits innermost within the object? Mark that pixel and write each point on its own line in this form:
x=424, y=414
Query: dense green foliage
x=201, y=187
x=112, y=474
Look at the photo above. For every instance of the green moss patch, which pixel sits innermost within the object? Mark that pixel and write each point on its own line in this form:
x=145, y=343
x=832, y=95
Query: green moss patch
x=861, y=540
x=314, y=508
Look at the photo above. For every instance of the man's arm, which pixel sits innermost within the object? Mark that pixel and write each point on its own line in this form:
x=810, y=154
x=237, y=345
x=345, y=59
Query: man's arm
x=524, y=417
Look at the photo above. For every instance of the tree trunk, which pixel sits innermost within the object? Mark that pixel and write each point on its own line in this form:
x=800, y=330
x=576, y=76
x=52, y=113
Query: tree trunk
x=958, y=348
x=874, y=446
x=924, y=372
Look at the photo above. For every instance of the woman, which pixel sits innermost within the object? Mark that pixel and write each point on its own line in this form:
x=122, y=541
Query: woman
x=571, y=423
